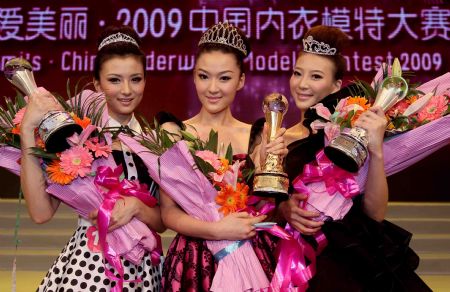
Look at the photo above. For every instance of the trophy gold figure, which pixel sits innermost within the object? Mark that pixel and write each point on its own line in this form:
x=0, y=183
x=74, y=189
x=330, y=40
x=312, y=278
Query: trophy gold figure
x=272, y=181
x=349, y=150
x=55, y=126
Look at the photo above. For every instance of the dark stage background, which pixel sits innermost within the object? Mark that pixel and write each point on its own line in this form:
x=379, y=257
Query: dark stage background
x=59, y=39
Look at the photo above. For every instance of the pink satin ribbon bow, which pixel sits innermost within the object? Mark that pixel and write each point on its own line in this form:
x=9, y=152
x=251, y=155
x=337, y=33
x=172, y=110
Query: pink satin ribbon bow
x=108, y=183
x=336, y=179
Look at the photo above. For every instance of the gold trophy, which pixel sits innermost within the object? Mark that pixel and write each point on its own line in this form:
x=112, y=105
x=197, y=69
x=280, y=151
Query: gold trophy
x=272, y=181
x=55, y=126
x=349, y=149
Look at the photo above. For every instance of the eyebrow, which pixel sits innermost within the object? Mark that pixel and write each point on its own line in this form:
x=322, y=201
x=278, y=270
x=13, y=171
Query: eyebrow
x=312, y=71
x=220, y=73
x=120, y=75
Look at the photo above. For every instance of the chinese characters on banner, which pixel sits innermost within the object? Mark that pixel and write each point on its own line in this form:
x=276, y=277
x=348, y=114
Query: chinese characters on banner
x=60, y=41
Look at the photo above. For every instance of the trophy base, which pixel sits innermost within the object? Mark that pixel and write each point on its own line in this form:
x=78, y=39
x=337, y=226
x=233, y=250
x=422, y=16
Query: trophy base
x=274, y=195
x=346, y=152
x=271, y=185
x=56, y=141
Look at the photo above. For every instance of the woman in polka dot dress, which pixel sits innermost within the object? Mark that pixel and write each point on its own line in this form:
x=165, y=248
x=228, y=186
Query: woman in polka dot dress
x=118, y=73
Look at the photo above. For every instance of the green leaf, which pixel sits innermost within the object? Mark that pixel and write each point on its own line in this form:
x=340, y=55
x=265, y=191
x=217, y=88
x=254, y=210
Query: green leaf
x=188, y=136
x=205, y=167
x=229, y=153
x=248, y=174
x=167, y=142
x=213, y=141
x=20, y=100
x=38, y=152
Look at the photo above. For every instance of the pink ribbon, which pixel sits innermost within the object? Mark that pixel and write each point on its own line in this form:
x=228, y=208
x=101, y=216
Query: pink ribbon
x=336, y=179
x=291, y=270
x=265, y=209
x=108, y=183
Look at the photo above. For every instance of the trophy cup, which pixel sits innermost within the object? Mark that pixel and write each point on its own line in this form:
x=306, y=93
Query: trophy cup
x=272, y=181
x=349, y=149
x=55, y=126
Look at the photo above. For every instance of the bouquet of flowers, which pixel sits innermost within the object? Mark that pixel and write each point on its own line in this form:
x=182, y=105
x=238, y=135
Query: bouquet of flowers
x=424, y=114
x=207, y=187
x=415, y=111
x=85, y=176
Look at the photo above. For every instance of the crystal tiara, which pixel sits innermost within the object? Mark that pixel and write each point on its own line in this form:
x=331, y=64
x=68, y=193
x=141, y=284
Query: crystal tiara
x=225, y=34
x=117, y=37
x=314, y=47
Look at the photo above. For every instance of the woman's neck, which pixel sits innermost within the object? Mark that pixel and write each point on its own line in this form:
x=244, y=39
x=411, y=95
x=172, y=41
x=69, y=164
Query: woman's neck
x=230, y=130
x=214, y=120
x=121, y=119
x=302, y=117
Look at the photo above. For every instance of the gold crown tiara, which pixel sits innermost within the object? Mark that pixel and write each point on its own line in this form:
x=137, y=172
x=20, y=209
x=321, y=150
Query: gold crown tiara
x=117, y=37
x=312, y=46
x=225, y=34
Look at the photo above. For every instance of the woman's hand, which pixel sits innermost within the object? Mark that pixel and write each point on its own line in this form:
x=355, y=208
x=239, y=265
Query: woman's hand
x=39, y=103
x=237, y=226
x=277, y=146
x=124, y=210
x=298, y=218
x=374, y=122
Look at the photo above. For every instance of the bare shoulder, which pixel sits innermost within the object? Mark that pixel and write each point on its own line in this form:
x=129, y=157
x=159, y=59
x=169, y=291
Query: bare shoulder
x=243, y=127
x=192, y=125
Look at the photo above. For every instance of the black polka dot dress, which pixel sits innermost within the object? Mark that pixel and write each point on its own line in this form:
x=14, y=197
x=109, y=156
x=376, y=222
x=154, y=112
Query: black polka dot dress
x=81, y=266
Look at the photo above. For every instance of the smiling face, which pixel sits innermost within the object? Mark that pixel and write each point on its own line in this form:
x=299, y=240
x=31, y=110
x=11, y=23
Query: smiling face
x=122, y=80
x=217, y=78
x=312, y=80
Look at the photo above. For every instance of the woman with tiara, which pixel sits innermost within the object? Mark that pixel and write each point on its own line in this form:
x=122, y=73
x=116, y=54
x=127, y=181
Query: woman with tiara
x=363, y=252
x=119, y=75
x=218, y=76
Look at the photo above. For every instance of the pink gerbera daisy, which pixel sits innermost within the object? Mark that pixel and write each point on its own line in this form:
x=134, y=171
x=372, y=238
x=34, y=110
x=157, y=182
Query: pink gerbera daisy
x=76, y=161
x=434, y=109
x=210, y=157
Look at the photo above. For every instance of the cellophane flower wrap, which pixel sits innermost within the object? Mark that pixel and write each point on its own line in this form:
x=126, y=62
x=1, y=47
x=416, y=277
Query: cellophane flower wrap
x=86, y=178
x=180, y=172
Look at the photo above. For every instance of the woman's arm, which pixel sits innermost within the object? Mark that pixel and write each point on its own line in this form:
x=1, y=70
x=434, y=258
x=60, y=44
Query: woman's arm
x=376, y=189
x=41, y=206
x=235, y=226
x=128, y=207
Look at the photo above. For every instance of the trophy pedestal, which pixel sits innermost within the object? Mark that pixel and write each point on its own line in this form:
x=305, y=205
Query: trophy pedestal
x=271, y=185
x=347, y=152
